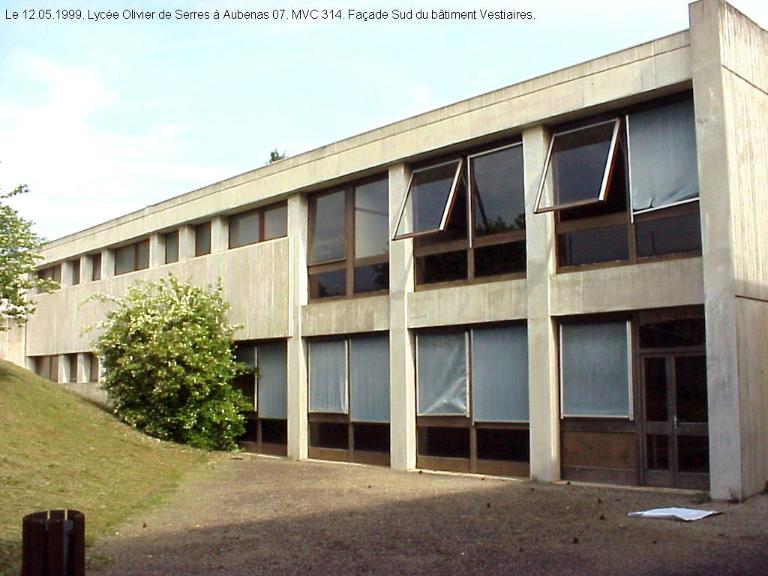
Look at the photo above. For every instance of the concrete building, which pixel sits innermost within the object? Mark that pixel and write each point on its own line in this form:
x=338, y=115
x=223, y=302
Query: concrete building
x=564, y=278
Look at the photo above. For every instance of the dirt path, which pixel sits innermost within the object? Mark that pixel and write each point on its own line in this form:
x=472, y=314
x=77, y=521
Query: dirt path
x=269, y=516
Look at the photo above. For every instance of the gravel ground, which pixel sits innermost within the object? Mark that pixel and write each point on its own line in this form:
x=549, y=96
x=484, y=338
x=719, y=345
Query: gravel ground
x=257, y=515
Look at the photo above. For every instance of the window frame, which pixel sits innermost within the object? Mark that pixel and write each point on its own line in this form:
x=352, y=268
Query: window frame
x=630, y=371
x=260, y=212
x=449, y=201
x=348, y=263
x=472, y=242
x=95, y=266
x=555, y=206
x=134, y=246
x=628, y=217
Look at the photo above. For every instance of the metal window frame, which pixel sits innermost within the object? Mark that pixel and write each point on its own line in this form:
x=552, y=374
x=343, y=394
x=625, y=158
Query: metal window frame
x=448, y=203
x=471, y=192
x=538, y=209
x=630, y=384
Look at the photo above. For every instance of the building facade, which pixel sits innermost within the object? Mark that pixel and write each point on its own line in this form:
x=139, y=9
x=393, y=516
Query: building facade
x=562, y=279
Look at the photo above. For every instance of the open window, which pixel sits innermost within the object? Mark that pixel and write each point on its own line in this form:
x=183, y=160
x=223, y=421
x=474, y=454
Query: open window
x=349, y=399
x=472, y=400
x=429, y=199
x=626, y=188
x=578, y=166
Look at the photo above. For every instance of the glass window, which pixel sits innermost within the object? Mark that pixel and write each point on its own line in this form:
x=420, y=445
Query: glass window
x=578, y=166
x=244, y=228
x=371, y=219
x=662, y=156
x=328, y=227
x=125, y=259
x=671, y=235
x=93, y=372
x=428, y=199
x=172, y=247
x=328, y=376
x=203, y=239
x=441, y=368
x=51, y=273
x=594, y=369
x=371, y=278
x=142, y=255
x=369, y=378
x=500, y=374
x=96, y=266
x=276, y=222
x=496, y=180
x=272, y=380
x=592, y=246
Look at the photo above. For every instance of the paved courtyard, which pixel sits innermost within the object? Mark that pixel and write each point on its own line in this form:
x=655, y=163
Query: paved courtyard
x=257, y=515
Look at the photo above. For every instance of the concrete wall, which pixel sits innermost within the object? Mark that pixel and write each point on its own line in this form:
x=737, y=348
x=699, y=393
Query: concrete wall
x=730, y=79
x=12, y=343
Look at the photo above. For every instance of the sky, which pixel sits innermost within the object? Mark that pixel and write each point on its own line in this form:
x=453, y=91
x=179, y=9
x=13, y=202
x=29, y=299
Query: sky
x=103, y=117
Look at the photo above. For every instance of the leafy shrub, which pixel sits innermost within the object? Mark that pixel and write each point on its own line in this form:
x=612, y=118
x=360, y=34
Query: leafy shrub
x=166, y=350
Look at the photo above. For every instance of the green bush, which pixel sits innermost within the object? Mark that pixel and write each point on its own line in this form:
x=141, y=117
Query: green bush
x=166, y=350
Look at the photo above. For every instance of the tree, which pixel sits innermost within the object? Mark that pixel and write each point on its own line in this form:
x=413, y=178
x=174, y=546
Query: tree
x=167, y=355
x=19, y=247
x=276, y=155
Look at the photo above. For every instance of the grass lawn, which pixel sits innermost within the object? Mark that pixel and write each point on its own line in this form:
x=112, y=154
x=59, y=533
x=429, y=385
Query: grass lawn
x=58, y=451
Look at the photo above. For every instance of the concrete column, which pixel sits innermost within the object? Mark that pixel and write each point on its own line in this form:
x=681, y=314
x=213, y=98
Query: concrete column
x=62, y=376
x=730, y=86
x=83, y=366
x=543, y=386
x=186, y=242
x=156, y=250
x=107, y=263
x=219, y=234
x=402, y=386
x=298, y=393
x=86, y=269
x=66, y=273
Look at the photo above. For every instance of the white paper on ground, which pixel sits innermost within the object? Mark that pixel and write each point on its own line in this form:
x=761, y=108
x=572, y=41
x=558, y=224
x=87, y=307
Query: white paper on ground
x=685, y=514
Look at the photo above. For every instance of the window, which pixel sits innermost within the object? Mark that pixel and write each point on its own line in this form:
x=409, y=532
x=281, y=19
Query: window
x=626, y=188
x=258, y=225
x=203, y=239
x=265, y=387
x=47, y=367
x=75, y=268
x=132, y=257
x=467, y=217
x=72, y=367
x=96, y=266
x=93, y=368
x=348, y=240
x=50, y=273
x=349, y=398
x=172, y=247
x=595, y=371
x=472, y=399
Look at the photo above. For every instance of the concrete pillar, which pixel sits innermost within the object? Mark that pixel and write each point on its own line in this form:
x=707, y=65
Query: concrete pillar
x=107, y=263
x=156, y=250
x=219, y=234
x=66, y=273
x=730, y=86
x=62, y=376
x=543, y=386
x=186, y=242
x=298, y=392
x=86, y=269
x=83, y=366
x=402, y=387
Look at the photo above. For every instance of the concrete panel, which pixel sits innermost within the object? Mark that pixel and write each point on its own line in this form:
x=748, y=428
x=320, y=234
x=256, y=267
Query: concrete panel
x=642, y=286
x=488, y=302
x=255, y=280
x=346, y=316
x=12, y=343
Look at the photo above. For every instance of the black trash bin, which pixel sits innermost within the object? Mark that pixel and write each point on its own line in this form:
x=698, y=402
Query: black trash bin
x=53, y=543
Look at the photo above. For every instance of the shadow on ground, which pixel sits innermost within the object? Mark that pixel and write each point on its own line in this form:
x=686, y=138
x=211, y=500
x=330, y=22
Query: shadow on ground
x=262, y=516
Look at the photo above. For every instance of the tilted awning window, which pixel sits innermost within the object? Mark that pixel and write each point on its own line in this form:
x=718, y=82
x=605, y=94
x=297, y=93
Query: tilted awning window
x=578, y=166
x=429, y=198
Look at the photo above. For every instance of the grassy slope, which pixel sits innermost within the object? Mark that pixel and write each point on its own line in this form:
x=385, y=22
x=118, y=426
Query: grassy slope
x=57, y=451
